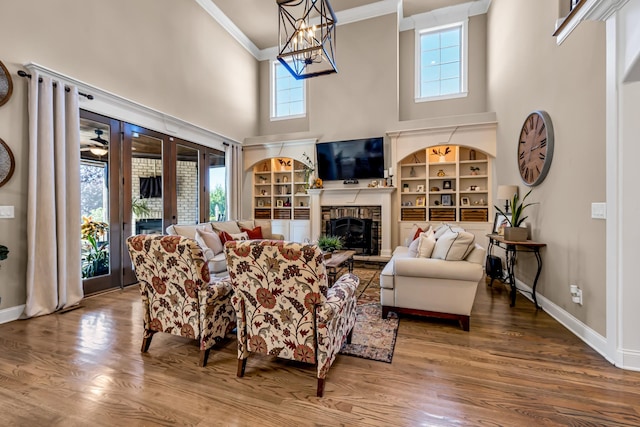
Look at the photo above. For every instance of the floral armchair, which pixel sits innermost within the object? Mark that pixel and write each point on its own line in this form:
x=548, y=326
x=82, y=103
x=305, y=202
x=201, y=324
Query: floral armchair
x=284, y=305
x=177, y=295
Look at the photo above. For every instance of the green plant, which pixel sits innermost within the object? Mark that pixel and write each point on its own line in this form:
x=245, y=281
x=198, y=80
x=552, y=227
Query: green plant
x=4, y=252
x=517, y=210
x=140, y=208
x=308, y=169
x=330, y=243
x=474, y=168
x=95, y=252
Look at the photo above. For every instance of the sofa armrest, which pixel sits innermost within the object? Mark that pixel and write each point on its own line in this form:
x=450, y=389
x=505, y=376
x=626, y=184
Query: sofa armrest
x=338, y=297
x=276, y=236
x=438, y=269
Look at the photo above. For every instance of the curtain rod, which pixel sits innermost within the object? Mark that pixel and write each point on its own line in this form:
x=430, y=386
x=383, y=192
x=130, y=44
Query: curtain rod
x=24, y=74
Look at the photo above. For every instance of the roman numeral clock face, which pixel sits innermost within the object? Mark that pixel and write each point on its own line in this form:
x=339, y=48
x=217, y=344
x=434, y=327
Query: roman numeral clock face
x=535, y=148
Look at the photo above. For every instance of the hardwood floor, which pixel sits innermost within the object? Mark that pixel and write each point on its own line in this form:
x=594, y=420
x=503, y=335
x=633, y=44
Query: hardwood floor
x=516, y=367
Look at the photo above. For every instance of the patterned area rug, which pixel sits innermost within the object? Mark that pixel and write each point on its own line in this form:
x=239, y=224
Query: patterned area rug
x=373, y=337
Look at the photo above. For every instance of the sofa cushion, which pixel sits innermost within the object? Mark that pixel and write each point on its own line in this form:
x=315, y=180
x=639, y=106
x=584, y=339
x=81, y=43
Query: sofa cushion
x=426, y=245
x=265, y=224
x=255, y=234
x=209, y=240
x=188, y=230
x=441, y=229
x=218, y=263
x=413, y=248
x=240, y=236
x=477, y=255
x=453, y=245
x=230, y=227
x=246, y=223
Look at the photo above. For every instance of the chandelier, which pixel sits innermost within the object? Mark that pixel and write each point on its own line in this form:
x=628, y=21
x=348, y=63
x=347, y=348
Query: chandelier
x=307, y=33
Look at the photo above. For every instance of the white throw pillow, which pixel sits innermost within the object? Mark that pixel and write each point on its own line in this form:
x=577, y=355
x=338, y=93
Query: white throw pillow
x=443, y=228
x=453, y=246
x=413, y=248
x=426, y=245
x=239, y=236
x=230, y=227
x=209, y=240
x=266, y=228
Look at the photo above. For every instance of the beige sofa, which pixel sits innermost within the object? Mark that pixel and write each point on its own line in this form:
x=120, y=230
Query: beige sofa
x=217, y=261
x=431, y=287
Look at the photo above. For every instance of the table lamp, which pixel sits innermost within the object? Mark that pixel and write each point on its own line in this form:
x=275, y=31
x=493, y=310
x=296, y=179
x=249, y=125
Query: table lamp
x=506, y=193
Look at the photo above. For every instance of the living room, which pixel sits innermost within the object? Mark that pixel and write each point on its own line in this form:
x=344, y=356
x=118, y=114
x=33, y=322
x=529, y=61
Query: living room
x=175, y=59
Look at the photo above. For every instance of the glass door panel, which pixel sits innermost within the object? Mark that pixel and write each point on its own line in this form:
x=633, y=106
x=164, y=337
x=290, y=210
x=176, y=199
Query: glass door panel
x=99, y=160
x=187, y=185
x=217, y=186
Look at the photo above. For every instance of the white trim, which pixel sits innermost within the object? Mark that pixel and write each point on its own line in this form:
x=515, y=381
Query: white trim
x=575, y=326
x=591, y=10
x=214, y=11
x=117, y=107
x=10, y=314
x=369, y=11
x=445, y=16
x=464, y=61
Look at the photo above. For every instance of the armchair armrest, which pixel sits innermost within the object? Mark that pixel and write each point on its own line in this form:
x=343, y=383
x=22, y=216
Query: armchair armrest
x=276, y=236
x=338, y=296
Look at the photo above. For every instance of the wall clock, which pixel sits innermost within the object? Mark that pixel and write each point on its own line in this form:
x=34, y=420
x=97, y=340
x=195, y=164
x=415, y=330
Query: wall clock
x=535, y=148
x=7, y=163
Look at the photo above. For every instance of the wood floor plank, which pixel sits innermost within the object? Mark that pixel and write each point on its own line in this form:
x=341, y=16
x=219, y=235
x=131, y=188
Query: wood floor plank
x=516, y=367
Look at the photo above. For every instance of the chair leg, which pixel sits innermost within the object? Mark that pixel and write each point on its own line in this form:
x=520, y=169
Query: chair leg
x=350, y=336
x=320, y=391
x=204, y=356
x=242, y=363
x=146, y=342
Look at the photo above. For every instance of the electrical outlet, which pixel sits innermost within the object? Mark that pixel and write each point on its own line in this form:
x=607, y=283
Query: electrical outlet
x=576, y=294
x=6, y=212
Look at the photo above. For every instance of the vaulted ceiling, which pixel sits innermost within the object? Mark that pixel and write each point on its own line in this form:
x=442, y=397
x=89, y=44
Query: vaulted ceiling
x=258, y=19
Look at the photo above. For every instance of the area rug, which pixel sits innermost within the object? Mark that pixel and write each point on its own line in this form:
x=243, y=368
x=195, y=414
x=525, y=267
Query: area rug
x=373, y=337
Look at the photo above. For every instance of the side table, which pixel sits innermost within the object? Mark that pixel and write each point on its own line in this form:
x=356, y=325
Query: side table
x=511, y=249
x=337, y=260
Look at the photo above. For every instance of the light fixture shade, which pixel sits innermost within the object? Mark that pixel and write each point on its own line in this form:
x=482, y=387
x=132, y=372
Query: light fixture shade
x=506, y=192
x=307, y=37
x=98, y=151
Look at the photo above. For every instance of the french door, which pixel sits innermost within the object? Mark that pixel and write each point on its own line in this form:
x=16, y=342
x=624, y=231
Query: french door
x=139, y=181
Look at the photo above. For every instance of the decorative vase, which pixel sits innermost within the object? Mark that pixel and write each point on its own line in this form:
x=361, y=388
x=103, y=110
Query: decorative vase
x=443, y=159
x=515, y=234
x=472, y=154
x=412, y=172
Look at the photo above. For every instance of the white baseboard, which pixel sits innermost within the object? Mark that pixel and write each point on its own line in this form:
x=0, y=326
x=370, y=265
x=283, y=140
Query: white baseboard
x=10, y=314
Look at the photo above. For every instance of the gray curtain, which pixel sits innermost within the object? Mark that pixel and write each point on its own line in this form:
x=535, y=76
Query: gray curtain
x=54, y=278
x=233, y=163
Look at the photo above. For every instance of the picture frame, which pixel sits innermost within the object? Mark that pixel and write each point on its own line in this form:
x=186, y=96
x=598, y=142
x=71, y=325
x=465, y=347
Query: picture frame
x=420, y=201
x=420, y=188
x=500, y=222
x=464, y=201
x=445, y=199
x=279, y=203
x=261, y=203
x=446, y=185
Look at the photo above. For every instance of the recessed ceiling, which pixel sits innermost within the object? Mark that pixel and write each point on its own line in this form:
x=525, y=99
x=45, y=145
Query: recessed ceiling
x=258, y=19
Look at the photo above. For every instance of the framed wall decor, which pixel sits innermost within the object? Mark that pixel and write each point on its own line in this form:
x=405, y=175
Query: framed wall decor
x=500, y=222
x=279, y=203
x=7, y=163
x=464, y=201
x=6, y=85
x=420, y=188
x=420, y=201
x=446, y=185
x=446, y=200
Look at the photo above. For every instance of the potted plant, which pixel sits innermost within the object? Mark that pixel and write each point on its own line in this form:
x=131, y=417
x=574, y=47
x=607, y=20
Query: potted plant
x=329, y=243
x=515, y=232
x=4, y=252
x=474, y=170
x=95, y=252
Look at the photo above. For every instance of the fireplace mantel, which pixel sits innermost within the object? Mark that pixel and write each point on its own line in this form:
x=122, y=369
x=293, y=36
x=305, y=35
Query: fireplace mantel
x=354, y=196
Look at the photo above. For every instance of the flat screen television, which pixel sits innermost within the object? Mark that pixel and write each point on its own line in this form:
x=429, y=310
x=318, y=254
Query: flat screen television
x=352, y=159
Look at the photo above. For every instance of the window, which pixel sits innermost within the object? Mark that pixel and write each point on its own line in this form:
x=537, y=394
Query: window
x=287, y=94
x=441, y=62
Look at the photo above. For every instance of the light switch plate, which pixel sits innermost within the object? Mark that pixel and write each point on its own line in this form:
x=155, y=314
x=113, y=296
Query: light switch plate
x=6, y=212
x=599, y=210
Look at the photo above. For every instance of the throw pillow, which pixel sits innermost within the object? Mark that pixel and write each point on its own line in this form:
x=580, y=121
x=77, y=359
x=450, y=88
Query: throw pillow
x=443, y=228
x=254, y=234
x=426, y=245
x=228, y=226
x=266, y=228
x=225, y=237
x=210, y=240
x=239, y=236
x=453, y=246
x=246, y=223
x=413, y=248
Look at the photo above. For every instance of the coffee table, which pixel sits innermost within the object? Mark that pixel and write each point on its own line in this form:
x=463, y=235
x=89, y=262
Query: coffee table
x=336, y=262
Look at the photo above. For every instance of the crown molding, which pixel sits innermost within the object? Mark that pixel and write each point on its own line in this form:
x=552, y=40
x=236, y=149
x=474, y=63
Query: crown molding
x=226, y=23
x=590, y=10
x=446, y=15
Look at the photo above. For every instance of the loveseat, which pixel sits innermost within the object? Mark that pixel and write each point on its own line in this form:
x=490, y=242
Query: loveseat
x=209, y=234
x=436, y=276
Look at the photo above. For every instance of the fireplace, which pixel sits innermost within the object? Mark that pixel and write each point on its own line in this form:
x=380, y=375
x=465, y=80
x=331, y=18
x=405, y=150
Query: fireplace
x=355, y=233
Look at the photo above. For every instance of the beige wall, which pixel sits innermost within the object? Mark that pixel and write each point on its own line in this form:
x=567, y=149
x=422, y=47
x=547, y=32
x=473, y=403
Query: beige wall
x=475, y=102
x=164, y=54
x=361, y=99
x=527, y=71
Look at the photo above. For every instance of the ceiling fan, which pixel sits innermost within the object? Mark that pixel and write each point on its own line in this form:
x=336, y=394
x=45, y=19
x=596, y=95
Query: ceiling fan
x=100, y=147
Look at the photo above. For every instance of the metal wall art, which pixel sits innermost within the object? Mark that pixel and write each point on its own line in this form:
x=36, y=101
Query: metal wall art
x=7, y=163
x=6, y=85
